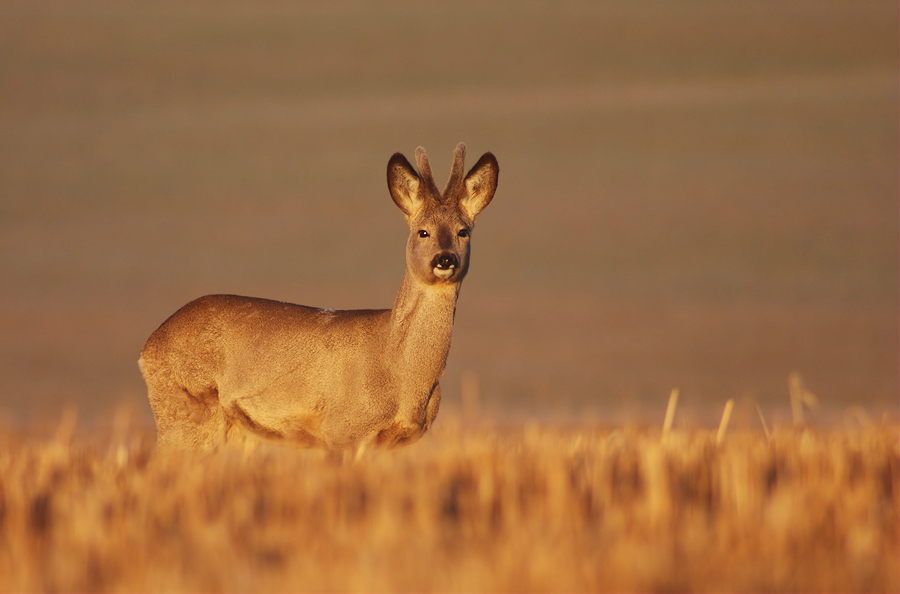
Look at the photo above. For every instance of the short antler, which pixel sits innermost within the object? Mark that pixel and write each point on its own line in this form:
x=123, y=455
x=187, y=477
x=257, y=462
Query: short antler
x=425, y=170
x=458, y=171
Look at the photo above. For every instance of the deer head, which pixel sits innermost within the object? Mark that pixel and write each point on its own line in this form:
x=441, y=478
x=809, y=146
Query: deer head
x=440, y=223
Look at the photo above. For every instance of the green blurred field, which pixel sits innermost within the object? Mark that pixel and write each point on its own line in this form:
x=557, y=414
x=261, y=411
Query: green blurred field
x=692, y=194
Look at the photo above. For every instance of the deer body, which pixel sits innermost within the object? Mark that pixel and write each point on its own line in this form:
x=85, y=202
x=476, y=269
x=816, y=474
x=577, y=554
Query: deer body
x=226, y=368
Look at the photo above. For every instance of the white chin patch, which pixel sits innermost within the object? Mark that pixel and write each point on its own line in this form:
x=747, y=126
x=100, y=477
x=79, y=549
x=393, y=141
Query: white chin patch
x=443, y=272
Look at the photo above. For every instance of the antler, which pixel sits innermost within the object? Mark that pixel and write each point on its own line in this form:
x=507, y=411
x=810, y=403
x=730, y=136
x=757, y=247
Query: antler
x=458, y=171
x=425, y=171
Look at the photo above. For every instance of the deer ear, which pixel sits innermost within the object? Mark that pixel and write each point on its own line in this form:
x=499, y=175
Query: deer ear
x=404, y=184
x=481, y=183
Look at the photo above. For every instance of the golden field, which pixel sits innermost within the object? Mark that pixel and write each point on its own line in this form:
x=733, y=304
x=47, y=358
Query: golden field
x=508, y=508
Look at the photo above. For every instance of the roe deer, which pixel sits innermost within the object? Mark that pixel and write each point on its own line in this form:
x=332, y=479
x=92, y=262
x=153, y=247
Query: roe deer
x=228, y=368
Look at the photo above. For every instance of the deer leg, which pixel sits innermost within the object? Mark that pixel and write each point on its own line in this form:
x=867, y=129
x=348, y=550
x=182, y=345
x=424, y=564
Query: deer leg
x=186, y=420
x=431, y=407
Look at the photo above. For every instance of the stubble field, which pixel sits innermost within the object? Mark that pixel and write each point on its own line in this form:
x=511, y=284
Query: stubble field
x=515, y=508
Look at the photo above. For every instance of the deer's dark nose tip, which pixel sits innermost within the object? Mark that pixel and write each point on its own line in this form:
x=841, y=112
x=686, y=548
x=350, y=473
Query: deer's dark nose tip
x=446, y=261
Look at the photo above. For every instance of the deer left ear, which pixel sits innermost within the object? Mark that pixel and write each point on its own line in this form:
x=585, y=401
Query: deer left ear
x=405, y=185
x=481, y=183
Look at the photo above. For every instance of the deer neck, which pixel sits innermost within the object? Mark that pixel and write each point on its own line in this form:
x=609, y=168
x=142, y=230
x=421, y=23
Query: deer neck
x=420, y=330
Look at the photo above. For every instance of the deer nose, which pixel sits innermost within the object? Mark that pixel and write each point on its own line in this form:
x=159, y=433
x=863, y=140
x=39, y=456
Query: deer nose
x=445, y=261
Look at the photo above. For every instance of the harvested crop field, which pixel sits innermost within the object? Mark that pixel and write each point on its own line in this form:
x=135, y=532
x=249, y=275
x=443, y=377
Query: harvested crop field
x=516, y=508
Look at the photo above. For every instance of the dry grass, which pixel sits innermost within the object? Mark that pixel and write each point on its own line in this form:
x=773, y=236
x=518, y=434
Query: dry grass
x=488, y=509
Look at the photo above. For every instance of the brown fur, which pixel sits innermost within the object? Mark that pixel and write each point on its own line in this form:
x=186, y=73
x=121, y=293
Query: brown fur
x=226, y=368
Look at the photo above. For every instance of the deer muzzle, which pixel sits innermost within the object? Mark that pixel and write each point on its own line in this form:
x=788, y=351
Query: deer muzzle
x=445, y=264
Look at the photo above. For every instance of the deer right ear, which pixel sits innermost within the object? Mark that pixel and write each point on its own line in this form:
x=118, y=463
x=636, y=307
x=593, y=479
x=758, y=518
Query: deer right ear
x=404, y=184
x=481, y=183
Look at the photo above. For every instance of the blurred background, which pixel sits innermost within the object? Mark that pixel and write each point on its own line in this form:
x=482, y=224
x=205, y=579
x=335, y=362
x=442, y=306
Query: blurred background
x=701, y=195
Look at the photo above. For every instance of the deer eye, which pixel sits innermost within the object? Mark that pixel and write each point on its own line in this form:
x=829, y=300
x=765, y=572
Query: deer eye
x=463, y=233
x=423, y=233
